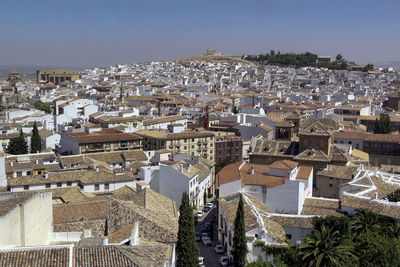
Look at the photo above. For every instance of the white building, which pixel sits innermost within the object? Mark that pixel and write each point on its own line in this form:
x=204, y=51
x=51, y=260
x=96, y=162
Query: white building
x=281, y=186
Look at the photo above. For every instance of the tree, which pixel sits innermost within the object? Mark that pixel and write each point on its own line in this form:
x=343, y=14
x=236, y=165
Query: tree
x=239, y=250
x=36, y=141
x=17, y=145
x=187, y=250
x=383, y=124
x=365, y=221
x=205, y=197
x=394, y=196
x=374, y=249
x=339, y=58
x=43, y=107
x=369, y=67
x=325, y=248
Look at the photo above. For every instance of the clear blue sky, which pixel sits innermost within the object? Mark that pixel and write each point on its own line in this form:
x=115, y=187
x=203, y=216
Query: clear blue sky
x=100, y=33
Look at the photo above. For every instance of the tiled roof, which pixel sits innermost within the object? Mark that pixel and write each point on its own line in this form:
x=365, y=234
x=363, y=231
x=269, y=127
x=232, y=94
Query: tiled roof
x=340, y=172
x=229, y=205
x=174, y=136
x=293, y=221
x=321, y=206
x=44, y=257
x=163, y=120
x=108, y=256
x=304, y=172
x=11, y=200
x=99, y=137
x=228, y=174
x=66, y=213
x=284, y=164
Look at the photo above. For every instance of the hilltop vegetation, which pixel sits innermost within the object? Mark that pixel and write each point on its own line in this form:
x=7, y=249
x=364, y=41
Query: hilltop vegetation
x=306, y=59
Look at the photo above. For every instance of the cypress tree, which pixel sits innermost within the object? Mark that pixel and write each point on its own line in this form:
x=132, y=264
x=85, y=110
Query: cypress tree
x=187, y=250
x=17, y=145
x=205, y=198
x=239, y=250
x=36, y=142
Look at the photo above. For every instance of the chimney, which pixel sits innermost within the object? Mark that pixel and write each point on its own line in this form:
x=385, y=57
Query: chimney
x=140, y=186
x=181, y=167
x=36, y=161
x=46, y=175
x=376, y=195
x=97, y=169
x=12, y=163
x=251, y=170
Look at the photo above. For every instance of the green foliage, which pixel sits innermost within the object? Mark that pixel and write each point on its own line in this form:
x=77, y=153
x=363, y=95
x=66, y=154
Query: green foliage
x=369, y=67
x=17, y=145
x=306, y=59
x=42, y=106
x=325, y=247
x=260, y=263
x=239, y=250
x=36, y=141
x=2, y=108
x=383, y=124
x=205, y=197
x=366, y=239
x=394, y=196
x=235, y=110
x=341, y=224
x=339, y=58
x=373, y=249
x=222, y=164
x=187, y=250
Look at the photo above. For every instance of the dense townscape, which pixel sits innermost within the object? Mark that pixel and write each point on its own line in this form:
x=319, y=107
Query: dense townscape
x=213, y=160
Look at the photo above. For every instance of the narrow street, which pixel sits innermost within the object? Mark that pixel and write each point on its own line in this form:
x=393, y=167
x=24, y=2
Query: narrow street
x=211, y=259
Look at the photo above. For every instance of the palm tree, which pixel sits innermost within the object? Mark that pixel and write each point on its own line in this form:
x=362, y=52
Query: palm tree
x=364, y=221
x=324, y=247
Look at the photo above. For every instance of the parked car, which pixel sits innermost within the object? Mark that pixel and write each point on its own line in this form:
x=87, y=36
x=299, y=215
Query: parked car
x=203, y=235
x=219, y=249
x=198, y=237
x=200, y=214
x=206, y=209
x=224, y=260
x=209, y=204
x=201, y=261
x=207, y=242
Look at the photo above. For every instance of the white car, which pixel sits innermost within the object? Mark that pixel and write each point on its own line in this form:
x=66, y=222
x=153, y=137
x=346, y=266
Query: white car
x=201, y=261
x=209, y=204
x=224, y=260
x=207, y=241
x=200, y=213
x=219, y=249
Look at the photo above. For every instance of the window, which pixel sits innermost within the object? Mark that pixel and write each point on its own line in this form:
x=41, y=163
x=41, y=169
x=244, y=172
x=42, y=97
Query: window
x=288, y=236
x=185, y=147
x=26, y=187
x=96, y=187
x=48, y=185
x=330, y=185
x=69, y=183
x=107, y=186
x=59, y=184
